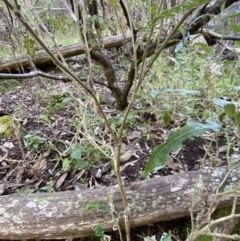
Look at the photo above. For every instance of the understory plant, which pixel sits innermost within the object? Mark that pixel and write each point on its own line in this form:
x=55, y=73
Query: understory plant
x=91, y=22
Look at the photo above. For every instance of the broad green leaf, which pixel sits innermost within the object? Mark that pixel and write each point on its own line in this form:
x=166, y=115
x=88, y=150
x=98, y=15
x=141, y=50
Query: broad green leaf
x=222, y=116
x=230, y=110
x=80, y=164
x=76, y=154
x=175, y=140
x=66, y=164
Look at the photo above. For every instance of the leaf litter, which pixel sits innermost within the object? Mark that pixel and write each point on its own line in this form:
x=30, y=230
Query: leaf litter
x=55, y=135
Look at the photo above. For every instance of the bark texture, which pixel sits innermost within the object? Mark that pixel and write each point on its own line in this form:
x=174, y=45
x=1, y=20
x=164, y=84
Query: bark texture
x=64, y=215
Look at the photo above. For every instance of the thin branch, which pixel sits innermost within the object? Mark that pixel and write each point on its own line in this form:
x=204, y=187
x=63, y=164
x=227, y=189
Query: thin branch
x=47, y=76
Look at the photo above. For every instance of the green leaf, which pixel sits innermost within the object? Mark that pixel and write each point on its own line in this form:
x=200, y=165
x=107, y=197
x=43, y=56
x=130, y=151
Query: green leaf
x=174, y=141
x=237, y=118
x=98, y=231
x=113, y=3
x=222, y=116
x=76, y=154
x=80, y=164
x=66, y=164
x=29, y=45
x=94, y=18
x=206, y=48
x=222, y=6
x=166, y=237
x=167, y=117
x=230, y=110
x=96, y=205
x=235, y=27
x=67, y=99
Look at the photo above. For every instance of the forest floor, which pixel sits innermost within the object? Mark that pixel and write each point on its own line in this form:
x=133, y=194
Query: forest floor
x=55, y=152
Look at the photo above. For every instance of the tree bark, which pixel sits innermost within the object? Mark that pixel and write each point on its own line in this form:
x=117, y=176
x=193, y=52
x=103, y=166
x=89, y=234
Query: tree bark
x=41, y=57
x=64, y=215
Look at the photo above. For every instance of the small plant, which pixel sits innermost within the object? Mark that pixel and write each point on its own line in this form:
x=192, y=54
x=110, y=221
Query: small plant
x=233, y=114
x=76, y=158
x=33, y=141
x=49, y=187
x=57, y=102
x=99, y=233
x=175, y=139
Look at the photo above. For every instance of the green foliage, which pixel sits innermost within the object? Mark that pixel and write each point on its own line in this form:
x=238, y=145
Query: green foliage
x=95, y=205
x=231, y=112
x=57, y=102
x=174, y=140
x=235, y=27
x=178, y=9
x=166, y=237
x=49, y=187
x=76, y=158
x=167, y=116
x=204, y=238
x=29, y=45
x=8, y=85
x=9, y=127
x=34, y=142
x=116, y=121
x=99, y=233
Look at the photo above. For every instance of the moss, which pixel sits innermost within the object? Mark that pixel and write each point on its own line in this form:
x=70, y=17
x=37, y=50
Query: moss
x=204, y=238
x=9, y=126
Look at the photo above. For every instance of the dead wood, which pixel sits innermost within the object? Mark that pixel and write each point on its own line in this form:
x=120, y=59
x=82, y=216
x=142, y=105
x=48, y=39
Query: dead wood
x=64, y=215
x=41, y=57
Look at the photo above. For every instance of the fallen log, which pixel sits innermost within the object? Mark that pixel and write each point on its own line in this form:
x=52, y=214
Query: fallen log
x=41, y=57
x=64, y=215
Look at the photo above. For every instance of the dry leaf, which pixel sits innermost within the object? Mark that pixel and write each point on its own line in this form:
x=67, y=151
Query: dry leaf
x=61, y=180
x=171, y=164
x=126, y=156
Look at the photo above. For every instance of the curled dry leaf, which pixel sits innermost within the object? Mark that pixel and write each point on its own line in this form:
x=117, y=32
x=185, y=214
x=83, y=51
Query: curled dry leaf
x=61, y=180
x=175, y=166
x=134, y=135
x=8, y=145
x=98, y=131
x=126, y=156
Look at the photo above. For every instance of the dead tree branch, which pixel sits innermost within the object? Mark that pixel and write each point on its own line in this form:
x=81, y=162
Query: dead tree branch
x=64, y=215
